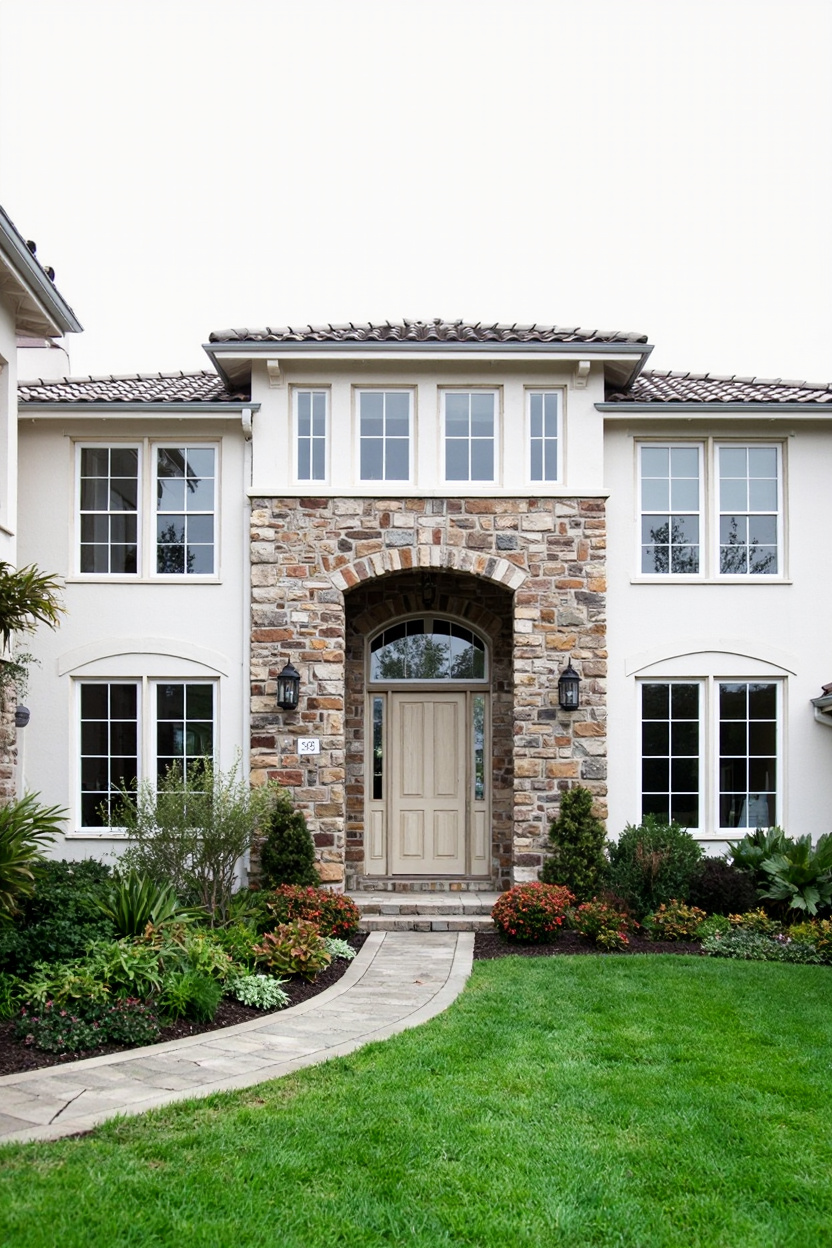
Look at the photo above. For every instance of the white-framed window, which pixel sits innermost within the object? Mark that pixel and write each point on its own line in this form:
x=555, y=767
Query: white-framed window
x=470, y=427
x=186, y=478
x=544, y=424
x=135, y=730
x=147, y=509
x=749, y=509
x=710, y=752
x=732, y=490
x=384, y=425
x=671, y=504
x=311, y=425
x=108, y=506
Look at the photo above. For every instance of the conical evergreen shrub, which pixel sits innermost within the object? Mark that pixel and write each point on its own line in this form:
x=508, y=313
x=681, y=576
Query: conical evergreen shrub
x=287, y=855
x=577, y=859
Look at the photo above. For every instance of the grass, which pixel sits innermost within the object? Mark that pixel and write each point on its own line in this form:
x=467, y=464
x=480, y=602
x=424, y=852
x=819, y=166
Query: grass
x=644, y=1102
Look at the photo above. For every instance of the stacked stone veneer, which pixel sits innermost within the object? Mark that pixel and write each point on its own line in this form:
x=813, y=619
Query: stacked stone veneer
x=8, y=755
x=529, y=573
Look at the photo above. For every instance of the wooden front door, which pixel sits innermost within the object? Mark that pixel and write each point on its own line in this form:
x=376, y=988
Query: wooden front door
x=430, y=782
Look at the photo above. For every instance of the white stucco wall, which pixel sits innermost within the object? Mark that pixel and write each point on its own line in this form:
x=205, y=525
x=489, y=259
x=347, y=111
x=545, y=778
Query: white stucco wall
x=128, y=627
x=274, y=464
x=8, y=432
x=766, y=627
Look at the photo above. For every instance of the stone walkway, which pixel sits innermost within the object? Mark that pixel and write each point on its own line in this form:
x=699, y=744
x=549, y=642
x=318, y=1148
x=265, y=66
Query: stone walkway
x=398, y=980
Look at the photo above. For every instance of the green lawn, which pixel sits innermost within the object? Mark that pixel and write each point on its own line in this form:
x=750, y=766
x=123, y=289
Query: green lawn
x=569, y=1101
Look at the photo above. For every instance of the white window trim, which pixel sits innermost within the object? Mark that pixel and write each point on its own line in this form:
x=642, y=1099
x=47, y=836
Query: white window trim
x=709, y=828
x=297, y=390
x=146, y=739
x=367, y=482
x=709, y=513
x=479, y=483
x=146, y=526
x=560, y=393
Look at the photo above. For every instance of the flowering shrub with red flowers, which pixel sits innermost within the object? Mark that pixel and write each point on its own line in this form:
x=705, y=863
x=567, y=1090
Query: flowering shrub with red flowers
x=599, y=921
x=83, y=1025
x=294, y=949
x=333, y=913
x=532, y=912
x=675, y=921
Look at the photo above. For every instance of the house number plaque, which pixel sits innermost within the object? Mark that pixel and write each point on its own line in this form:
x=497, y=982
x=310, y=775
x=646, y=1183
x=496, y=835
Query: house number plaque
x=308, y=745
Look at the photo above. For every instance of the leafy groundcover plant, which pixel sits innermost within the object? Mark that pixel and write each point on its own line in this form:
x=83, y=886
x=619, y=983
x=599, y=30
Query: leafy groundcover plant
x=88, y=1024
x=532, y=912
x=675, y=921
x=296, y=948
x=261, y=992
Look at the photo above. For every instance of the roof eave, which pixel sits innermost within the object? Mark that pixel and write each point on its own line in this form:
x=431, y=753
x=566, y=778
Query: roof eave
x=147, y=407
x=44, y=309
x=737, y=408
x=233, y=360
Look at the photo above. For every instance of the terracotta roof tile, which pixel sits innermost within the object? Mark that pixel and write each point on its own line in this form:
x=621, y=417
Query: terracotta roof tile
x=668, y=387
x=201, y=387
x=437, y=331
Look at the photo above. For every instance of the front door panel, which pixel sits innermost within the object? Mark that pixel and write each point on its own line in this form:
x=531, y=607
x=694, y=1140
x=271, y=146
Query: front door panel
x=429, y=784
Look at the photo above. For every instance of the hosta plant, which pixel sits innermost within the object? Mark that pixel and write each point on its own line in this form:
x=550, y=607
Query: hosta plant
x=296, y=948
x=261, y=992
x=334, y=914
x=532, y=912
x=675, y=921
x=339, y=948
x=601, y=922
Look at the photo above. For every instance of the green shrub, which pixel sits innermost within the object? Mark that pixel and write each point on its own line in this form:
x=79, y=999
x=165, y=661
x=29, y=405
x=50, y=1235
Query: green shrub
x=719, y=887
x=339, y=948
x=532, y=912
x=238, y=941
x=261, y=992
x=755, y=921
x=296, y=948
x=599, y=921
x=652, y=863
x=26, y=828
x=287, y=854
x=675, y=921
x=577, y=839
x=190, y=831
x=190, y=994
x=753, y=946
x=64, y=983
x=333, y=913
x=714, y=925
x=59, y=919
x=800, y=876
x=87, y=1025
x=817, y=932
x=134, y=901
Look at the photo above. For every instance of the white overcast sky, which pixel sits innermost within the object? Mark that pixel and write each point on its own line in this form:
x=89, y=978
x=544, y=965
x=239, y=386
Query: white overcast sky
x=660, y=165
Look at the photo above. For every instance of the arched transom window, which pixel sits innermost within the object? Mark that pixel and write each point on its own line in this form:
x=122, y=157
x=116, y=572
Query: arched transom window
x=427, y=648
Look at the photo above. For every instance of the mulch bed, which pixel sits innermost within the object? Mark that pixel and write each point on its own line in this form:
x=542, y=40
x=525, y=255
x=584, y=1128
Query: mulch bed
x=15, y=1057
x=492, y=945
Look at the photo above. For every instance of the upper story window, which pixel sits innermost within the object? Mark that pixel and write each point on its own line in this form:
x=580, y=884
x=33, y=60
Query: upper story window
x=670, y=509
x=741, y=508
x=384, y=434
x=311, y=418
x=544, y=435
x=119, y=535
x=427, y=649
x=748, y=510
x=470, y=435
x=109, y=509
x=185, y=500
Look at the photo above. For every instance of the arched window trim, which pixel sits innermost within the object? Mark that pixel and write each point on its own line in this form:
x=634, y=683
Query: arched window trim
x=429, y=617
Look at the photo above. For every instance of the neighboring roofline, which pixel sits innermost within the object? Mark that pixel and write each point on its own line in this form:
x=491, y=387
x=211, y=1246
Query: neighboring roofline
x=29, y=272
x=732, y=407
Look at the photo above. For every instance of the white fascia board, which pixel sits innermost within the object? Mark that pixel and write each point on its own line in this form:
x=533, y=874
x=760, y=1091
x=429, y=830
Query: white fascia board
x=38, y=291
x=749, y=411
x=359, y=351
x=186, y=411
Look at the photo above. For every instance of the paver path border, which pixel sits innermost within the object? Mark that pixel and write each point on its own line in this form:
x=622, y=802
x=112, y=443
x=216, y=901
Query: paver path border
x=397, y=981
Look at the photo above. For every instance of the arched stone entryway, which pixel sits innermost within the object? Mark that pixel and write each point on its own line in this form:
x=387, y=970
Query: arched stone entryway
x=319, y=564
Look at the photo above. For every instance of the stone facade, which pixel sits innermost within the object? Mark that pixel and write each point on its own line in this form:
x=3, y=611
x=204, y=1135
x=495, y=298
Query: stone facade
x=8, y=755
x=528, y=572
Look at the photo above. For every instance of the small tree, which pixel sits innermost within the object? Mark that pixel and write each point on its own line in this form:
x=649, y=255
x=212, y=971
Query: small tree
x=287, y=855
x=577, y=859
x=190, y=830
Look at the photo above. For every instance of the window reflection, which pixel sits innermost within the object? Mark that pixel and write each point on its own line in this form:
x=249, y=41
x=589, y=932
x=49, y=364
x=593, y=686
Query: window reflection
x=427, y=649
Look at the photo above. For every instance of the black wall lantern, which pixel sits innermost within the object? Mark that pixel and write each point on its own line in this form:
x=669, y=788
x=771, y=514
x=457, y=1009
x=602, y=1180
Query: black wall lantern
x=288, y=688
x=569, y=689
x=21, y=716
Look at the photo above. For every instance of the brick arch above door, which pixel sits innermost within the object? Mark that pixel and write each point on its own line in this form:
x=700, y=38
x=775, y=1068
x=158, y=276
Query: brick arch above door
x=425, y=559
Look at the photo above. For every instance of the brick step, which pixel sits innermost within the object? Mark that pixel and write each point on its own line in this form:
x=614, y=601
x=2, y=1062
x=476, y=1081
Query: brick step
x=425, y=923
x=417, y=884
x=424, y=905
